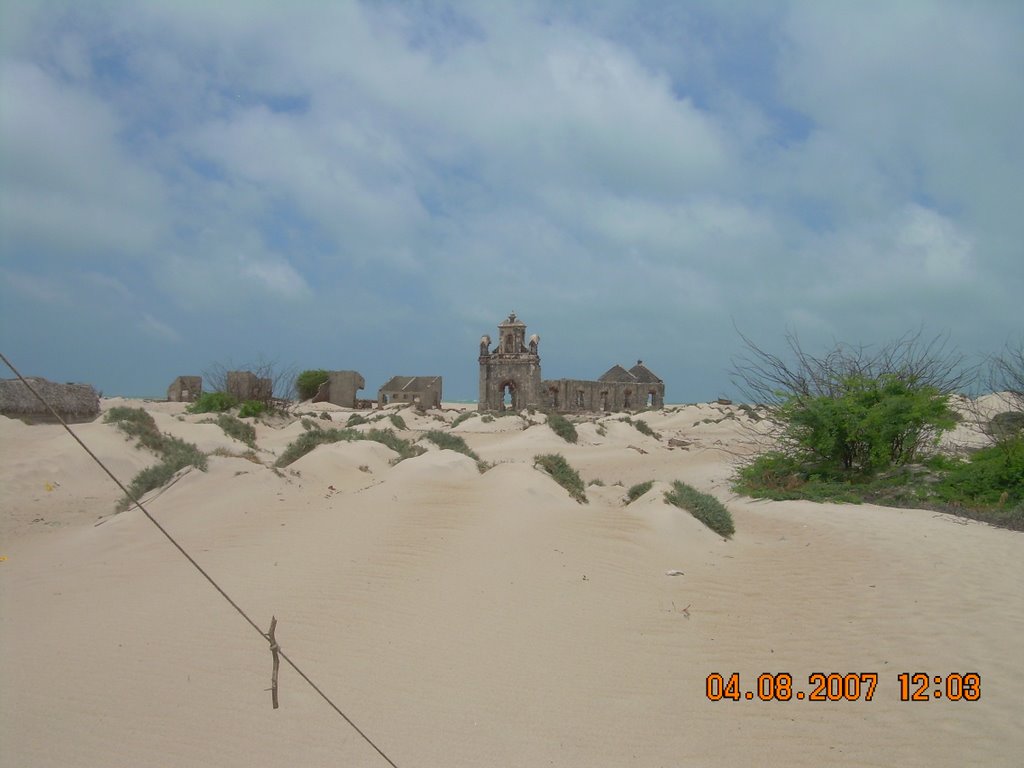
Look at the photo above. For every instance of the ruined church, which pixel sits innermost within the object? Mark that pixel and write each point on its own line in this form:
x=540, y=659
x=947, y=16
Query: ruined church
x=510, y=380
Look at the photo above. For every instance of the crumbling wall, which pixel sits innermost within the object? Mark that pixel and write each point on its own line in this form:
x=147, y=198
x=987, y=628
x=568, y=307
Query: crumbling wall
x=185, y=389
x=246, y=385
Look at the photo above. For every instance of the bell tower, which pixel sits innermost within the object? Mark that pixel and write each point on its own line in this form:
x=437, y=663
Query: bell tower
x=510, y=374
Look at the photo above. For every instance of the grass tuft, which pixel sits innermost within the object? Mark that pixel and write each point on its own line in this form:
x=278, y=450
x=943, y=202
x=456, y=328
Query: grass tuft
x=562, y=473
x=638, y=490
x=562, y=427
x=464, y=416
x=309, y=440
x=703, y=506
x=175, y=453
x=238, y=429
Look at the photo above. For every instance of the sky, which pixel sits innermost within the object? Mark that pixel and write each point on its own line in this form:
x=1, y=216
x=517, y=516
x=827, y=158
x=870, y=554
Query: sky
x=188, y=185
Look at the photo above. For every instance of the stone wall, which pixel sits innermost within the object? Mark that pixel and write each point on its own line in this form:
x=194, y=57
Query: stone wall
x=246, y=385
x=185, y=389
x=341, y=388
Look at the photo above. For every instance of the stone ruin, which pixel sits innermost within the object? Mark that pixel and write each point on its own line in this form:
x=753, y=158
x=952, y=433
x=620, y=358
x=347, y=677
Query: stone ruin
x=422, y=391
x=246, y=385
x=341, y=388
x=185, y=389
x=510, y=380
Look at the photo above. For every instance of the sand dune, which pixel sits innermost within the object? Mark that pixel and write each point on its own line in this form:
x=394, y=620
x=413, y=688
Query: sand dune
x=484, y=619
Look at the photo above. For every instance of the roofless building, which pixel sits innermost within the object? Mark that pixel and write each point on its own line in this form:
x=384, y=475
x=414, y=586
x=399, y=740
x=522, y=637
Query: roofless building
x=510, y=379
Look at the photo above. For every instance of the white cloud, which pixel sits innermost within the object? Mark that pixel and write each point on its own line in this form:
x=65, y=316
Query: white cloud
x=68, y=183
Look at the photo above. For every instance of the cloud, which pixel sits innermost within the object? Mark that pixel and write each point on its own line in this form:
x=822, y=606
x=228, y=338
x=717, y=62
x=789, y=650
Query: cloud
x=69, y=185
x=631, y=178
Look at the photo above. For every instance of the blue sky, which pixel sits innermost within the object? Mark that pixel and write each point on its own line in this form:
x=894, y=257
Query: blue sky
x=373, y=186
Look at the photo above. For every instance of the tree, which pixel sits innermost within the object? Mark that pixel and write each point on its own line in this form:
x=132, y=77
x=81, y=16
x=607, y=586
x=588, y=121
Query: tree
x=1006, y=375
x=308, y=382
x=854, y=409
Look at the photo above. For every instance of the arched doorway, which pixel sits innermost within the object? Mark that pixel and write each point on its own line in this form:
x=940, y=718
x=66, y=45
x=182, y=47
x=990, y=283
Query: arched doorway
x=509, y=396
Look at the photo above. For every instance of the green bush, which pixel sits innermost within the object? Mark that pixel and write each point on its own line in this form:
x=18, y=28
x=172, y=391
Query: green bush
x=355, y=420
x=638, y=490
x=563, y=474
x=398, y=421
x=308, y=382
x=702, y=506
x=251, y=408
x=213, y=402
x=868, y=423
x=562, y=427
x=237, y=429
x=991, y=476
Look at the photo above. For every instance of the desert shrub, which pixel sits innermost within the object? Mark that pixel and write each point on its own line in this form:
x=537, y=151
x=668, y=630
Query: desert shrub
x=451, y=442
x=237, y=429
x=854, y=410
x=137, y=423
x=309, y=440
x=991, y=476
x=398, y=421
x=562, y=427
x=487, y=418
x=644, y=428
x=403, y=448
x=247, y=455
x=308, y=382
x=562, y=473
x=355, y=420
x=638, y=490
x=174, y=453
x=463, y=416
x=870, y=424
x=602, y=430
x=251, y=408
x=213, y=402
x=598, y=482
x=702, y=506
x=308, y=424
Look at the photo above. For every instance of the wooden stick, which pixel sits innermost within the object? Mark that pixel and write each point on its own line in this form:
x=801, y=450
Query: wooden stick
x=274, y=648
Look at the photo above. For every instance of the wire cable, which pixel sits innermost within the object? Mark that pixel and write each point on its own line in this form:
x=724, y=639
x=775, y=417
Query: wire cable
x=192, y=560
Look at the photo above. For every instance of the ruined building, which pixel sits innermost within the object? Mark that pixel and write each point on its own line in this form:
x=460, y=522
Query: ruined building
x=185, y=389
x=423, y=391
x=510, y=379
x=246, y=385
x=341, y=388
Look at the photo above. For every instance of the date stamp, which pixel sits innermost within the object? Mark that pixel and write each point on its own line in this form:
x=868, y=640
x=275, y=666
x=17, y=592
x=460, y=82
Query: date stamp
x=849, y=686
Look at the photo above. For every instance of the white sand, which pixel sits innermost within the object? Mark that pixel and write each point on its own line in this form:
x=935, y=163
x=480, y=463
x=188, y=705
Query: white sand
x=467, y=619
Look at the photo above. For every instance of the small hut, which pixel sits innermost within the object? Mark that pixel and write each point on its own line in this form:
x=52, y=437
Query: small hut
x=73, y=402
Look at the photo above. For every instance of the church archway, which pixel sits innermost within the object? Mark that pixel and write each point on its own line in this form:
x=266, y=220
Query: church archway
x=509, y=396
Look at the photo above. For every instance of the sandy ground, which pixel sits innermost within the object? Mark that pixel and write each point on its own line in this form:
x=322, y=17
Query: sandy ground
x=468, y=619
